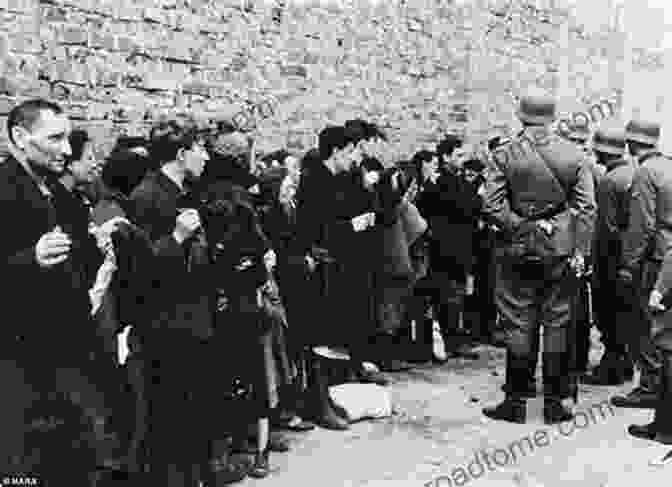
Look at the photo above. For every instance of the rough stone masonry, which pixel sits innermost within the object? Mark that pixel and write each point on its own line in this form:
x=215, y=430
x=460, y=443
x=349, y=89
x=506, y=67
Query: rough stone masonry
x=117, y=65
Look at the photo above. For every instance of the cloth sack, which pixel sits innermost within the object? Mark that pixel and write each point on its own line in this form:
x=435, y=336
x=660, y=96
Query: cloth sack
x=362, y=401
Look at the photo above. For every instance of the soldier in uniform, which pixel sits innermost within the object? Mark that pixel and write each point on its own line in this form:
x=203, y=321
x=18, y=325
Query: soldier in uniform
x=647, y=239
x=613, y=205
x=547, y=231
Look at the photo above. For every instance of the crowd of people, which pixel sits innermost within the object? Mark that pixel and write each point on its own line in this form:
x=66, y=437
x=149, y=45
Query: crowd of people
x=244, y=285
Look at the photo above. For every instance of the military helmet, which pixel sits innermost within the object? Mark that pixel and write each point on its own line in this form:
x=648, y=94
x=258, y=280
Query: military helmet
x=643, y=132
x=536, y=108
x=609, y=140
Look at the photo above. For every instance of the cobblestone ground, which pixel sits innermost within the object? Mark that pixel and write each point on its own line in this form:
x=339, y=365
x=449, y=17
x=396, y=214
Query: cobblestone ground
x=438, y=427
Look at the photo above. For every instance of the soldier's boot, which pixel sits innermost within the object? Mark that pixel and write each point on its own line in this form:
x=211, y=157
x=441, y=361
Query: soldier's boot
x=660, y=429
x=512, y=409
x=644, y=396
x=530, y=389
x=556, y=384
x=322, y=408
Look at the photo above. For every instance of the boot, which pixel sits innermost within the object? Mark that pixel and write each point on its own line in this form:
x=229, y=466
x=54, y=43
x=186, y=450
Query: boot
x=556, y=384
x=512, y=409
x=530, y=389
x=662, y=419
x=322, y=406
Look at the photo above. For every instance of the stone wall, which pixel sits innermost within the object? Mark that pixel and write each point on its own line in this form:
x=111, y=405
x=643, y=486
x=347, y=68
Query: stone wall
x=119, y=64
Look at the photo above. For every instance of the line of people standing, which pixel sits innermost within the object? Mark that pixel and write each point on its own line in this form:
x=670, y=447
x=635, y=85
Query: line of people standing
x=241, y=295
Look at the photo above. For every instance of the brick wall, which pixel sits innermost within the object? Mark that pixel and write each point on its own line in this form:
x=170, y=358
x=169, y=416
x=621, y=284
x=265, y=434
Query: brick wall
x=119, y=64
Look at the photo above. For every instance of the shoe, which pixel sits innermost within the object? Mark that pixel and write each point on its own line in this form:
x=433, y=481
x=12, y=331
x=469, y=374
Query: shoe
x=261, y=468
x=370, y=377
x=510, y=410
x=298, y=424
x=637, y=398
x=226, y=473
x=555, y=412
x=644, y=432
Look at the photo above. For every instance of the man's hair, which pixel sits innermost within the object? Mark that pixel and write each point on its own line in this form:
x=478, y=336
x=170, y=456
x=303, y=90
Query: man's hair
x=359, y=129
x=422, y=156
x=78, y=139
x=27, y=113
x=168, y=137
x=448, y=145
x=331, y=139
x=124, y=170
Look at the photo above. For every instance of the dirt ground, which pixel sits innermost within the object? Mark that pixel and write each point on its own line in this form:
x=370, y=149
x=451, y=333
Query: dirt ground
x=437, y=438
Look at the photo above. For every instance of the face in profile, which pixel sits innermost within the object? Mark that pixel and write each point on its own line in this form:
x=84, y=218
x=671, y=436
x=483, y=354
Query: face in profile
x=88, y=168
x=46, y=145
x=194, y=161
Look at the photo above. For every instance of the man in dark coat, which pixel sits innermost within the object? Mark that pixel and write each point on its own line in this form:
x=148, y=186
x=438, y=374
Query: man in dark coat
x=451, y=206
x=613, y=202
x=335, y=215
x=645, y=243
x=46, y=253
x=541, y=195
x=176, y=338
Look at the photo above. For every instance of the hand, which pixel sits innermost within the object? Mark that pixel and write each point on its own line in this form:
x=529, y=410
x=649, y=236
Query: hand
x=546, y=226
x=52, y=248
x=111, y=225
x=103, y=233
x=270, y=259
x=371, y=178
x=186, y=225
x=362, y=222
x=578, y=264
x=310, y=262
x=655, y=302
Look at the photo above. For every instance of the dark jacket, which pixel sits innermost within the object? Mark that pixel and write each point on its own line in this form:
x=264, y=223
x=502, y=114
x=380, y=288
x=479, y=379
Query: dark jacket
x=613, y=204
x=649, y=234
x=521, y=187
x=451, y=207
x=183, y=293
x=40, y=302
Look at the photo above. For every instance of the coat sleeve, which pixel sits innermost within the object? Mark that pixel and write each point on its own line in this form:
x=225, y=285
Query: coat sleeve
x=642, y=221
x=22, y=259
x=496, y=205
x=582, y=204
x=146, y=215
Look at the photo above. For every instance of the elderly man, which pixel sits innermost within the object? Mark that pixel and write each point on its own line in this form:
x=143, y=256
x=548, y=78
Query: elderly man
x=541, y=195
x=647, y=239
x=48, y=335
